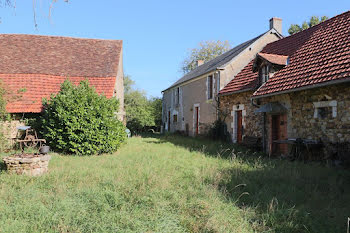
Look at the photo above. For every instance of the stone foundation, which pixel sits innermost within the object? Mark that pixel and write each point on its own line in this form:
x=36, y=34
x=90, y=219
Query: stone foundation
x=32, y=165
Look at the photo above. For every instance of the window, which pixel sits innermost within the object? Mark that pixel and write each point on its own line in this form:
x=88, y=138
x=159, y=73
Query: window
x=178, y=95
x=325, y=109
x=217, y=78
x=210, y=86
x=324, y=112
x=175, y=118
x=265, y=72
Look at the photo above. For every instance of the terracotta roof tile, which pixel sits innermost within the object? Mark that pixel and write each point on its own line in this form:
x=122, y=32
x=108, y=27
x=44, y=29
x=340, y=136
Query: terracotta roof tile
x=38, y=65
x=244, y=80
x=25, y=92
x=63, y=56
x=317, y=55
x=274, y=58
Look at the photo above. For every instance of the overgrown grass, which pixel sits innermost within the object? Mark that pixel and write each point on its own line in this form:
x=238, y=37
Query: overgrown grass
x=176, y=184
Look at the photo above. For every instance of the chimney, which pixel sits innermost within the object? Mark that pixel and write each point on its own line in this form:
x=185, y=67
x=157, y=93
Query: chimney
x=200, y=62
x=276, y=23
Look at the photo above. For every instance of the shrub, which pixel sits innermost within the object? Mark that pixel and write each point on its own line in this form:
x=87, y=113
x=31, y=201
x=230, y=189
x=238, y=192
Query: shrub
x=78, y=120
x=218, y=131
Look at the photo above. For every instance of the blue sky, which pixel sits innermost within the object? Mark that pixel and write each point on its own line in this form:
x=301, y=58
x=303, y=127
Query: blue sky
x=158, y=34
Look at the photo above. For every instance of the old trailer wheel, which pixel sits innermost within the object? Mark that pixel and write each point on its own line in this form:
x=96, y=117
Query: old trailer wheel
x=32, y=142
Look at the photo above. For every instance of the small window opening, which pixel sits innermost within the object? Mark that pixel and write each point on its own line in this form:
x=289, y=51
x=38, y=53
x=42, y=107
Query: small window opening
x=175, y=118
x=265, y=74
x=210, y=87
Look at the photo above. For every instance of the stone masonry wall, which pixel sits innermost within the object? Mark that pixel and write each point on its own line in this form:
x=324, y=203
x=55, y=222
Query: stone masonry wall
x=32, y=166
x=302, y=120
x=252, y=122
x=328, y=129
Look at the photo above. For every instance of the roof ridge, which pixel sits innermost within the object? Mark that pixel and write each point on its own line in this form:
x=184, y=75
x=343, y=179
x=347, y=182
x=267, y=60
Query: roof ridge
x=65, y=37
x=317, y=25
x=238, y=48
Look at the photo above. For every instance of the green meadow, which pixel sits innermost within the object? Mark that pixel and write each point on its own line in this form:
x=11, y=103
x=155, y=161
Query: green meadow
x=176, y=184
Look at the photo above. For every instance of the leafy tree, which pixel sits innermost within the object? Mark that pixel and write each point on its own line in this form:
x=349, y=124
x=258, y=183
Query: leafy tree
x=156, y=104
x=206, y=51
x=141, y=112
x=80, y=121
x=314, y=20
x=12, y=4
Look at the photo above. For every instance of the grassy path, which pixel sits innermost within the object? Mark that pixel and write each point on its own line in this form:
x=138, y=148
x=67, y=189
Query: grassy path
x=174, y=184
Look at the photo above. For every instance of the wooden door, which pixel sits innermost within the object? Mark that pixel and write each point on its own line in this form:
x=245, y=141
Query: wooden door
x=239, y=126
x=196, y=120
x=169, y=121
x=279, y=132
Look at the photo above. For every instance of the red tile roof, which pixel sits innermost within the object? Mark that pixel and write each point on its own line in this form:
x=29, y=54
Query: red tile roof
x=317, y=55
x=24, y=92
x=39, y=64
x=55, y=55
x=274, y=58
x=245, y=80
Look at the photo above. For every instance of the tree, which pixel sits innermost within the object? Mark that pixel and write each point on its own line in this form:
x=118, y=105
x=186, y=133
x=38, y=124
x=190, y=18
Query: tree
x=206, y=51
x=80, y=121
x=314, y=20
x=141, y=112
x=157, y=105
x=12, y=4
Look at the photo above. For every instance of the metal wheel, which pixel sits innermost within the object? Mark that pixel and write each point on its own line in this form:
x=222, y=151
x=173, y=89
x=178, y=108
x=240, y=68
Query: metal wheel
x=32, y=142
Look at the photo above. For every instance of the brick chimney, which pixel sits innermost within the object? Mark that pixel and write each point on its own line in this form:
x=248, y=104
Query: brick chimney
x=276, y=23
x=199, y=62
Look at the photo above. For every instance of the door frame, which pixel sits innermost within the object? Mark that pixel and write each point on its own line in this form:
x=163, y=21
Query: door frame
x=235, y=108
x=239, y=128
x=195, y=120
x=278, y=148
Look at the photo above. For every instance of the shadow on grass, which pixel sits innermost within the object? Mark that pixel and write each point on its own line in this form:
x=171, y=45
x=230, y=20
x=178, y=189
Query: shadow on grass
x=2, y=165
x=285, y=196
x=207, y=146
x=290, y=197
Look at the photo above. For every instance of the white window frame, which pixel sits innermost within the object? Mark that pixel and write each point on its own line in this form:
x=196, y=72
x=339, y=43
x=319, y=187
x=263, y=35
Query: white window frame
x=265, y=73
x=217, y=82
x=323, y=104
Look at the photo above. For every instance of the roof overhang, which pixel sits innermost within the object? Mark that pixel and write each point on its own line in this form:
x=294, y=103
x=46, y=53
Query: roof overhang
x=273, y=59
x=235, y=92
x=272, y=108
x=323, y=84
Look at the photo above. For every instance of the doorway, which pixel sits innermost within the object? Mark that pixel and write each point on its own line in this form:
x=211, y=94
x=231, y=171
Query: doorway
x=239, y=126
x=278, y=132
x=196, y=112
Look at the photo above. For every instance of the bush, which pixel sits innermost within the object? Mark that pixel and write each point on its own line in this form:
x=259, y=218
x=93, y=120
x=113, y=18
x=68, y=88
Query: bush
x=77, y=120
x=218, y=131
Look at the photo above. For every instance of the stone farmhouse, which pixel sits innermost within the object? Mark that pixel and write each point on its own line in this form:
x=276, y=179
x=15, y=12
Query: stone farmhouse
x=33, y=67
x=296, y=87
x=190, y=104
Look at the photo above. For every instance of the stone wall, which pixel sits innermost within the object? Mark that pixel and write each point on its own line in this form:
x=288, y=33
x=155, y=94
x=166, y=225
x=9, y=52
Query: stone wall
x=303, y=122
x=33, y=165
x=330, y=128
x=252, y=122
x=303, y=118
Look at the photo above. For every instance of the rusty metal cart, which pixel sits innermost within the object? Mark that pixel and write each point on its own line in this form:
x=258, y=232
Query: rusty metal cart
x=29, y=138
